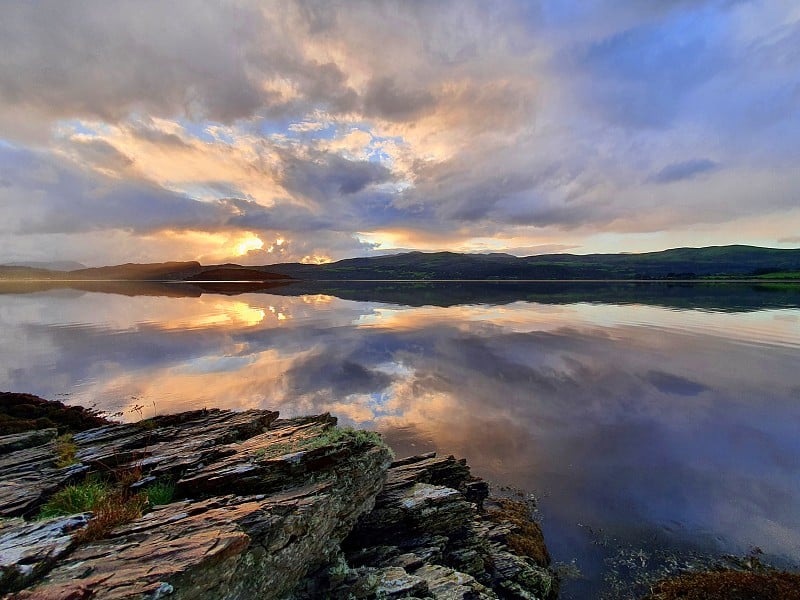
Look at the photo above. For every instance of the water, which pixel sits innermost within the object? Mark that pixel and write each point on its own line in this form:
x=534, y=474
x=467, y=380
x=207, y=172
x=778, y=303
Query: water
x=642, y=416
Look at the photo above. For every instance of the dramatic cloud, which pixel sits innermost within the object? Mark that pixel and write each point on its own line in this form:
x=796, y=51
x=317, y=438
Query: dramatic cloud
x=605, y=126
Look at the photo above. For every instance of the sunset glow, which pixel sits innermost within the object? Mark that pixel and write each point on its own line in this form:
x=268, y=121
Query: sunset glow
x=248, y=245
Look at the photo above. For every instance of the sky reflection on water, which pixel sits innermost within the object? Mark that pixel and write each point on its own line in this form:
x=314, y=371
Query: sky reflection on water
x=635, y=419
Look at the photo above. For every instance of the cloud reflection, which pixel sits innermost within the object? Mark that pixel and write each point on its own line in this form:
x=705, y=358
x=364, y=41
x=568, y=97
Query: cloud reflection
x=627, y=416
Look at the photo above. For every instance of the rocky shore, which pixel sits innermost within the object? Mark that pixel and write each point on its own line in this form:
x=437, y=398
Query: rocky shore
x=218, y=504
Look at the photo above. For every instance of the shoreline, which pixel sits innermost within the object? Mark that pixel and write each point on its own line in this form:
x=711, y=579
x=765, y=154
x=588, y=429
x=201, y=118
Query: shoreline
x=261, y=507
x=417, y=527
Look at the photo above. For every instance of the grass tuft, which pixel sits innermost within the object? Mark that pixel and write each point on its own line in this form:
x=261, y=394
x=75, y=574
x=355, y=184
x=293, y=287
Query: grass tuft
x=160, y=492
x=110, y=505
x=112, y=510
x=77, y=498
x=65, y=451
x=335, y=435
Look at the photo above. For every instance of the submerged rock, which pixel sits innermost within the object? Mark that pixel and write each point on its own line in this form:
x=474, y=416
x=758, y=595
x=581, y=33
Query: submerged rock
x=263, y=508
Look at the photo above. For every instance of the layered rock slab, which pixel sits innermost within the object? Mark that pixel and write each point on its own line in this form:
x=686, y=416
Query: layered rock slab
x=430, y=536
x=163, y=446
x=264, y=501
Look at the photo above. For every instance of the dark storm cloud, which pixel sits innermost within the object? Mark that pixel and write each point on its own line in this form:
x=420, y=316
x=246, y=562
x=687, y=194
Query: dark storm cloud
x=205, y=61
x=248, y=214
x=337, y=374
x=145, y=131
x=673, y=384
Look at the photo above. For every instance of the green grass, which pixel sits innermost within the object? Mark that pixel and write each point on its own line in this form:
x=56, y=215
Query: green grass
x=76, y=498
x=160, y=492
x=110, y=505
x=781, y=275
x=335, y=435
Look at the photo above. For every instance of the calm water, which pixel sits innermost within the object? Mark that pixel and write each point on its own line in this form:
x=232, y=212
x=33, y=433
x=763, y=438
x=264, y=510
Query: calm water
x=642, y=416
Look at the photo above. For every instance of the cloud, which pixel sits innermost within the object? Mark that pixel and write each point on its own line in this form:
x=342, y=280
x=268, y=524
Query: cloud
x=641, y=75
x=48, y=195
x=531, y=123
x=383, y=98
x=321, y=175
x=104, y=62
x=684, y=170
x=48, y=204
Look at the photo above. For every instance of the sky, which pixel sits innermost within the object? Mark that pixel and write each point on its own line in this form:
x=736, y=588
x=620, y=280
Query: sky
x=261, y=132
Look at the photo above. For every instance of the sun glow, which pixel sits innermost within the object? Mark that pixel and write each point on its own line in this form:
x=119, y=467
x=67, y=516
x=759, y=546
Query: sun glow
x=252, y=242
x=315, y=259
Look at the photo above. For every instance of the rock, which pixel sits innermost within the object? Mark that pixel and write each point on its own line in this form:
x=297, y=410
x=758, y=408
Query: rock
x=28, y=549
x=261, y=501
x=30, y=475
x=424, y=525
x=229, y=547
x=447, y=584
x=511, y=525
x=264, y=508
x=162, y=447
x=27, y=439
x=388, y=583
x=26, y=412
x=421, y=509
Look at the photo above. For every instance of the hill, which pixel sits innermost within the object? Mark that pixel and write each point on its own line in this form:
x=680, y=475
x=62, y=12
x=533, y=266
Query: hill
x=678, y=263
x=56, y=265
x=168, y=271
x=235, y=273
x=139, y=272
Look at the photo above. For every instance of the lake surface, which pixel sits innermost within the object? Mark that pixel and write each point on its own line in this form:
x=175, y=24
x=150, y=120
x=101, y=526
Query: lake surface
x=642, y=416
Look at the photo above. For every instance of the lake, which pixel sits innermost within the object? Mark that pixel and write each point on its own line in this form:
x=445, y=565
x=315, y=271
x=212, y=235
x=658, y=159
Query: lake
x=648, y=419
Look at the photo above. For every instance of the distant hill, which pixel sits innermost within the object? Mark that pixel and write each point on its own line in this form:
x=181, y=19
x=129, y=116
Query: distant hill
x=168, y=271
x=678, y=263
x=62, y=265
x=232, y=273
x=14, y=273
x=139, y=272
